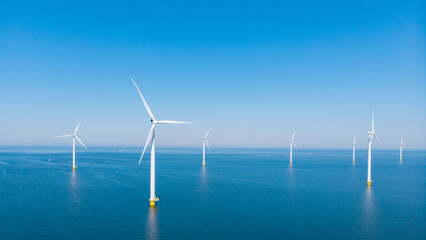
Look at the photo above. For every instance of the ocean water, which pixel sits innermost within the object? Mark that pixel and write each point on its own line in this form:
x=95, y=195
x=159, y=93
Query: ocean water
x=240, y=194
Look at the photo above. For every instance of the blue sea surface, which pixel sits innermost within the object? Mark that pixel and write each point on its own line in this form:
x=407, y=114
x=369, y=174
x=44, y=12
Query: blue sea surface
x=240, y=194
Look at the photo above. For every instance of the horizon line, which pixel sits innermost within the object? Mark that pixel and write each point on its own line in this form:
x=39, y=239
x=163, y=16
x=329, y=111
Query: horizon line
x=220, y=147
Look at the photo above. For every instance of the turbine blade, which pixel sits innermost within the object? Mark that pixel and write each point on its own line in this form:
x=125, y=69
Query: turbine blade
x=78, y=125
x=375, y=136
x=292, y=138
x=372, y=122
x=173, y=122
x=81, y=143
x=144, y=102
x=294, y=145
x=68, y=135
x=147, y=142
x=207, y=133
x=207, y=143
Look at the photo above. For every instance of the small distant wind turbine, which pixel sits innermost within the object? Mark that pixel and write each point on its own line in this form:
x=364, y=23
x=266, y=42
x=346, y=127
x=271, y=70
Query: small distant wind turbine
x=400, y=149
x=291, y=147
x=204, y=147
x=353, y=154
x=151, y=137
x=371, y=134
x=74, y=136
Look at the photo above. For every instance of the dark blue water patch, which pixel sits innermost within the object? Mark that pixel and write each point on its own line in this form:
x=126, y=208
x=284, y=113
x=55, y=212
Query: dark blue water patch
x=238, y=195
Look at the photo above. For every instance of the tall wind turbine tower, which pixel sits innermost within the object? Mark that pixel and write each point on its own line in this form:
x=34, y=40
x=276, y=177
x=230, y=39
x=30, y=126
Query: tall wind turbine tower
x=371, y=135
x=353, y=153
x=74, y=137
x=204, y=147
x=151, y=138
x=400, y=149
x=291, y=140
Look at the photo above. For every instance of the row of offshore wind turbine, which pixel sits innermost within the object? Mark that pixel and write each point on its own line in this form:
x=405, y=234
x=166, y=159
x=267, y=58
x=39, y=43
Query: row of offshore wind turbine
x=151, y=141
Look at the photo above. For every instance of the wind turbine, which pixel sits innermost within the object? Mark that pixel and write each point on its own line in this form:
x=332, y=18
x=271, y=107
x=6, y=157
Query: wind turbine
x=353, y=154
x=371, y=134
x=400, y=149
x=291, y=147
x=151, y=138
x=74, y=137
x=204, y=147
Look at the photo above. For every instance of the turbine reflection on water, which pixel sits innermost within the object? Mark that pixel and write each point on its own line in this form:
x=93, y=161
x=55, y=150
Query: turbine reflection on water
x=74, y=187
x=203, y=180
x=152, y=225
x=369, y=213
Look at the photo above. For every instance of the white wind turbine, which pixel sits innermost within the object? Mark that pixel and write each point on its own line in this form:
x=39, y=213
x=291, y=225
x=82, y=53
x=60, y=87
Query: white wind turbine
x=400, y=149
x=291, y=147
x=151, y=137
x=353, y=154
x=204, y=147
x=74, y=136
x=370, y=139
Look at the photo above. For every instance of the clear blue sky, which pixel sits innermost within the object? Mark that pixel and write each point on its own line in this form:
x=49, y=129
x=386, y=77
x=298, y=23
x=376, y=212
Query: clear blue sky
x=253, y=72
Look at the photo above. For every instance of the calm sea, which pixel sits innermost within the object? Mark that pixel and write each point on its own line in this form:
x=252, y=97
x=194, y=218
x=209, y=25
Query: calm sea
x=240, y=194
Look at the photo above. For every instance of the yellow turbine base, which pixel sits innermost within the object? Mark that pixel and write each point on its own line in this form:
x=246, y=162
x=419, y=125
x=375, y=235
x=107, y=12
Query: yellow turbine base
x=368, y=183
x=204, y=164
x=291, y=162
x=353, y=160
x=152, y=202
x=73, y=168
